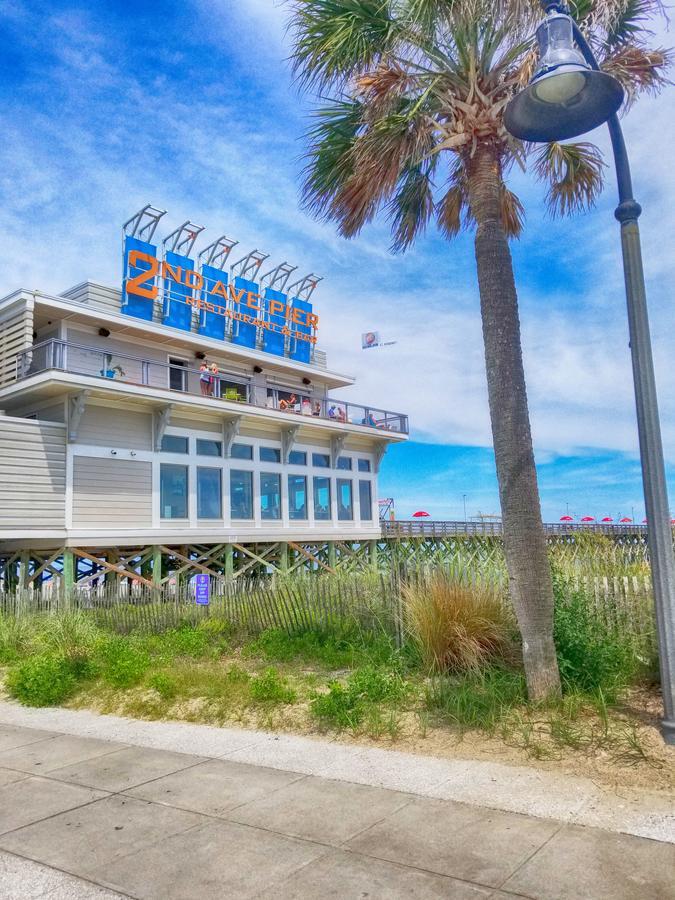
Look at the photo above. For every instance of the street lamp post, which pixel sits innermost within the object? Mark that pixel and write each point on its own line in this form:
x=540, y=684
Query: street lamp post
x=568, y=96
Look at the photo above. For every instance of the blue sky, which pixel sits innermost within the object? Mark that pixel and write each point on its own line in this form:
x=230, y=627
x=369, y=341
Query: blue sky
x=105, y=107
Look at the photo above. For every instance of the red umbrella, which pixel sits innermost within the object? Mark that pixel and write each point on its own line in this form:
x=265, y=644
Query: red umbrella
x=625, y=519
x=420, y=514
x=588, y=518
x=566, y=519
x=608, y=519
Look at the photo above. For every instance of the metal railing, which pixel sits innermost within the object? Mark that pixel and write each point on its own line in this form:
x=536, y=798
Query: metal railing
x=97, y=362
x=432, y=528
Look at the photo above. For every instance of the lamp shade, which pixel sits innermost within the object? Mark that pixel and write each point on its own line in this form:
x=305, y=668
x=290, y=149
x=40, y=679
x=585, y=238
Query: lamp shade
x=565, y=97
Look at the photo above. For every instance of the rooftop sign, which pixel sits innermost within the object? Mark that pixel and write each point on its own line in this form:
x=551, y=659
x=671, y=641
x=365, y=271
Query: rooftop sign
x=237, y=305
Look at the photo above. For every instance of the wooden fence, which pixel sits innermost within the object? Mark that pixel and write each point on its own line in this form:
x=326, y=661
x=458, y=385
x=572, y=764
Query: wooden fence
x=295, y=604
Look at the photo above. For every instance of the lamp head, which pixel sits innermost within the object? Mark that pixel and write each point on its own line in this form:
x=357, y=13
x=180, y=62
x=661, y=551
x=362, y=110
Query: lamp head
x=565, y=97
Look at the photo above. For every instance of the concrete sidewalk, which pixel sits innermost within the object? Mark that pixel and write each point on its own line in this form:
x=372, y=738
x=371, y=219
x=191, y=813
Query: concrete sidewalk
x=155, y=823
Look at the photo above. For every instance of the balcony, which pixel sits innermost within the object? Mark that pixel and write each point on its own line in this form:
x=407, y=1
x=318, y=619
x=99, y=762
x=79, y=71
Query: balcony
x=93, y=362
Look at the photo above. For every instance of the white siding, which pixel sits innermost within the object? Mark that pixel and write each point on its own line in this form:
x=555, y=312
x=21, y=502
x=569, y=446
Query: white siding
x=107, y=426
x=97, y=295
x=112, y=492
x=16, y=333
x=32, y=475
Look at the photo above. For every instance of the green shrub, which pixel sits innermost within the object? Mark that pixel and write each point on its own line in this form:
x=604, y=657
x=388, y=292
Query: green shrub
x=270, y=687
x=457, y=624
x=338, y=649
x=237, y=675
x=592, y=655
x=477, y=699
x=346, y=703
x=186, y=641
x=44, y=680
x=339, y=708
x=165, y=685
x=123, y=664
x=376, y=685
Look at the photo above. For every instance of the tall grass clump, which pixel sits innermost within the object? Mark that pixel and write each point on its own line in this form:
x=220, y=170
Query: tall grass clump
x=456, y=623
x=593, y=654
x=16, y=637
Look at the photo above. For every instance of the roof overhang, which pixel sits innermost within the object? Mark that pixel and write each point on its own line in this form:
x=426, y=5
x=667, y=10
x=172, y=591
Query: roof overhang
x=44, y=385
x=162, y=335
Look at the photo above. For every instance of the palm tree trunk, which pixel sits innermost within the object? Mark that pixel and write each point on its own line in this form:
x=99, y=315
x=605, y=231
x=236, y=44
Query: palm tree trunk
x=525, y=548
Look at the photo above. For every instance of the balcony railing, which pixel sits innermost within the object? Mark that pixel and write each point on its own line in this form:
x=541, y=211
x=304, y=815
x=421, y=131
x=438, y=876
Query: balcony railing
x=78, y=359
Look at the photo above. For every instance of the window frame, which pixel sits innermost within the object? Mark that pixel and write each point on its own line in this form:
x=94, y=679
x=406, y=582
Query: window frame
x=219, y=470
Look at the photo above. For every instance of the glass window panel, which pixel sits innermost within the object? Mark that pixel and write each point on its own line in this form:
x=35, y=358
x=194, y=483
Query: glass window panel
x=297, y=458
x=321, y=460
x=365, y=501
x=270, y=454
x=345, y=500
x=174, y=443
x=241, y=451
x=344, y=462
x=297, y=497
x=270, y=495
x=364, y=465
x=232, y=390
x=322, y=498
x=209, y=494
x=209, y=448
x=173, y=491
x=241, y=494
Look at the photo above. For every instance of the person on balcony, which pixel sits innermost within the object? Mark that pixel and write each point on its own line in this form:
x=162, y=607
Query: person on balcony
x=215, y=373
x=288, y=404
x=317, y=408
x=204, y=379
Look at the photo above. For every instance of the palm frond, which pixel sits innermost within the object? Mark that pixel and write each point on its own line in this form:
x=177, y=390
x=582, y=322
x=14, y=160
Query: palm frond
x=387, y=148
x=512, y=212
x=329, y=158
x=630, y=22
x=639, y=70
x=574, y=173
x=411, y=207
x=334, y=39
x=381, y=88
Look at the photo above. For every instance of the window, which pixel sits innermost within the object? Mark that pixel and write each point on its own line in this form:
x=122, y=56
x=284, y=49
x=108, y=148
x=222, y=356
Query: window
x=322, y=498
x=270, y=454
x=174, y=443
x=366, y=501
x=177, y=374
x=321, y=460
x=344, y=462
x=270, y=495
x=297, y=458
x=297, y=497
x=241, y=451
x=209, y=504
x=345, y=501
x=364, y=465
x=241, y=494
x=173, y=491
x=209, y=448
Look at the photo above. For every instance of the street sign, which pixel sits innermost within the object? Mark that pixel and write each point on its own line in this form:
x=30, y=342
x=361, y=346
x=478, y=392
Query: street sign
x=202, y=589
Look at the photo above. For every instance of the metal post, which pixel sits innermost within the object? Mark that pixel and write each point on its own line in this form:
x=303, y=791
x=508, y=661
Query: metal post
x=659, y=533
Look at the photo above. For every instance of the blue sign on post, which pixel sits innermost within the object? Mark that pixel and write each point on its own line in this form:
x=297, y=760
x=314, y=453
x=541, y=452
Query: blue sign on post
x=202, y=589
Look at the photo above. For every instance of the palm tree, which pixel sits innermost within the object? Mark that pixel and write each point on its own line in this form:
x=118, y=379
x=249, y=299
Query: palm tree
x=413, y=94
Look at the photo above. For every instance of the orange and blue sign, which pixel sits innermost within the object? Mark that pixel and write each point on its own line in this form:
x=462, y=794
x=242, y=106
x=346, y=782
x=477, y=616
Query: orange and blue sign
x=233, y=311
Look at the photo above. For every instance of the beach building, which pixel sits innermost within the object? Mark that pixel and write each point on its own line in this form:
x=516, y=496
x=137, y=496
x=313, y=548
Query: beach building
x=182, y=422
